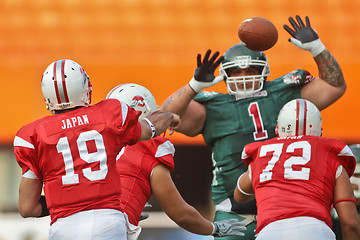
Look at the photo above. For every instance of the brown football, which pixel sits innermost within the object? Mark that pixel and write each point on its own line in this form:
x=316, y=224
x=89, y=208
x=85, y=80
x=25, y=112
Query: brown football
x=258, y=34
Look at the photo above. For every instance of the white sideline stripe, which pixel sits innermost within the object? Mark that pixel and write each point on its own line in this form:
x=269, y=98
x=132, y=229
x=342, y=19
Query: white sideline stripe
x=19, y=142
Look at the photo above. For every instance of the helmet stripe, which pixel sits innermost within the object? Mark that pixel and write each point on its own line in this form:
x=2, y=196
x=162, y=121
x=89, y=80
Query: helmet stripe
x=59, y=81
x=305, y=117
x=63, y=80
x=300, y=117
x=56, y=84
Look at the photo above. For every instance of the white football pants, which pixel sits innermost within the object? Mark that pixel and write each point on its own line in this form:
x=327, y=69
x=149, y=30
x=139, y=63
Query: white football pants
x=299, y=228
x=97, y=224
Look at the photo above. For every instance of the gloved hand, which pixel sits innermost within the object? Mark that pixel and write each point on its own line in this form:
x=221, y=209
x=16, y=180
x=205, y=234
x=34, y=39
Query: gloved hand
x=228, y=227
x=305, y=37
x=204, y=73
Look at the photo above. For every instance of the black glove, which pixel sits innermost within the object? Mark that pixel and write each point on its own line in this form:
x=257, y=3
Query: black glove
x=204, y=73
x=305, y=37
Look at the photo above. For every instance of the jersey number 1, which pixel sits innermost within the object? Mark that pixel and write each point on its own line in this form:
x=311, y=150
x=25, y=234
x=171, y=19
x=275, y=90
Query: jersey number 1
x=254, y=112
x=63, y=147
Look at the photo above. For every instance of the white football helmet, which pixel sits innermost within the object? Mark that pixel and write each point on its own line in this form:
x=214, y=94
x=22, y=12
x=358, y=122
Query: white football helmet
x=299, y=117
x=136, y=96
x=355, y=179
x=65, y=85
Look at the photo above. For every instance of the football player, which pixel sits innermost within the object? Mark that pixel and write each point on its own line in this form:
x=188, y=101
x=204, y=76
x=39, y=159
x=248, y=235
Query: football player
x=144, y=170
x=72, y=153
x=249, y=111
x=297, y=177
x=355, y=183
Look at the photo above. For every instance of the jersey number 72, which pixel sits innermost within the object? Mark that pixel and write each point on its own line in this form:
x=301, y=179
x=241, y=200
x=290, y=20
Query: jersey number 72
x=289, y=172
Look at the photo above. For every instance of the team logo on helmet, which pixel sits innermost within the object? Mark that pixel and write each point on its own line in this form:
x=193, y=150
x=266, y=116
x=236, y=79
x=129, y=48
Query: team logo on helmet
x=137, y=101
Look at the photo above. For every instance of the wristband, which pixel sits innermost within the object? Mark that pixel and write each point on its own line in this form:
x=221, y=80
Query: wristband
x=195, y=85
x=44, y=209
x=317, y=48
x=345, y=200
x=153, y=130
x=242, y=191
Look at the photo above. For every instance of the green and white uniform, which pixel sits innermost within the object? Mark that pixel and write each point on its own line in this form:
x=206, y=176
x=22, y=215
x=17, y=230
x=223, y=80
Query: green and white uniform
x=232, y=123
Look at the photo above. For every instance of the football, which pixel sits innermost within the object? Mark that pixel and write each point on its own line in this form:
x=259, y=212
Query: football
x=258, y=34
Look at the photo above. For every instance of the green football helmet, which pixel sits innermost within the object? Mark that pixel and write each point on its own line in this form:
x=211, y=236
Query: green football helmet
x=238, y=56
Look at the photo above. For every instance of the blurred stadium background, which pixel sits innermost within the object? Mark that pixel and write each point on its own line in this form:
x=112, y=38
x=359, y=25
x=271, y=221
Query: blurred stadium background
x=153, y=43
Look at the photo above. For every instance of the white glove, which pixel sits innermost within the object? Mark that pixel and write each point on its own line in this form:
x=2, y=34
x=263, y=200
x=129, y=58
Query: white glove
x=315, y=47
x=198, y=86
x=228, y=227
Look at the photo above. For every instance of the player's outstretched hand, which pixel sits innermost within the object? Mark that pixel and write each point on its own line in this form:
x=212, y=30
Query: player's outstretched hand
x=204, y=73
x=228, y=227
x=304, y=36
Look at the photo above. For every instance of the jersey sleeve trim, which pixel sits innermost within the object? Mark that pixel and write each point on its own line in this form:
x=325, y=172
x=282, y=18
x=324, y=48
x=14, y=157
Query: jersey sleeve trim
x=347, y=159
x=165, y=149
x=19, y=142
x=30, y=174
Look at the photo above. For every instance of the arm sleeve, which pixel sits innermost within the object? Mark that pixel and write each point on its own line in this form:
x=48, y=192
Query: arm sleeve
x=24, y=152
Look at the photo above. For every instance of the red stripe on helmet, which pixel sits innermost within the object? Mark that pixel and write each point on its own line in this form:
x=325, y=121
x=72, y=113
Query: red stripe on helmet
x=56, y=85
x=305, y=111
x=297, y=117
x=63, y=80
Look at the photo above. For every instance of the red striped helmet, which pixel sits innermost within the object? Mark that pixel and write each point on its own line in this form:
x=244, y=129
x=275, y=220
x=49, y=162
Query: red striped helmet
x=65, y=85
x=299, y=117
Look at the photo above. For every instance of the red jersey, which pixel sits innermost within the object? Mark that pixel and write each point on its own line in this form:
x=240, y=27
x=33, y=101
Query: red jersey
x=295, y=176
x=135, y=165
x=74, y=154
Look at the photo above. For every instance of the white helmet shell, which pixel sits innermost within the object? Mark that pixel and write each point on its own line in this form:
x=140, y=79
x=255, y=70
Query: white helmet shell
x=65, y=85
x=299, y=117
x=136, y=96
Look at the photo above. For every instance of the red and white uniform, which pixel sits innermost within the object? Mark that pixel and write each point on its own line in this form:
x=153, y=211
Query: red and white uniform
x=74, y=154
x=295, y=176
x=135, y=166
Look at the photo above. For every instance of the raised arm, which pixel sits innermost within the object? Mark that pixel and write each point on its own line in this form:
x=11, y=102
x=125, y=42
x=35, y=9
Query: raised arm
x=185, y=215
x=181, y=102
x=330, y=85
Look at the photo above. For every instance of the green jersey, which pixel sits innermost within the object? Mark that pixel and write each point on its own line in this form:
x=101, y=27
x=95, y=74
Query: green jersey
x=231, y=123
